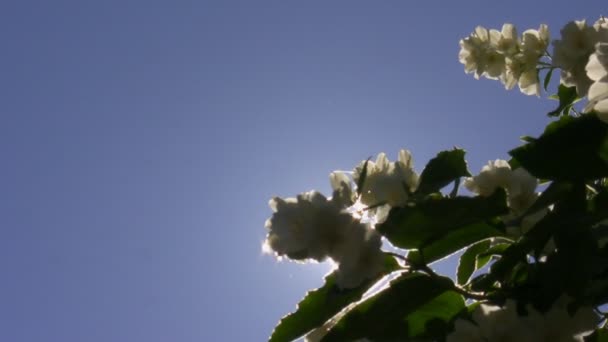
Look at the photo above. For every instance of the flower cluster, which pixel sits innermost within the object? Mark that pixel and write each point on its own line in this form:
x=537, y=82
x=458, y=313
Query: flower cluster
x=505, y=56
x=550, y=245
x=312, y=226
x=581, y=54
x=386, y=182
x=521, y=194
x=495, y=323
x=571, y=53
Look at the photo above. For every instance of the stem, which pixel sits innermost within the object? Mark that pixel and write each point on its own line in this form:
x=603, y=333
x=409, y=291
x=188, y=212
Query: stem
x=398, y=256
x=470, y=295
x=406, y=267
x=429, y=271
x=454, y=192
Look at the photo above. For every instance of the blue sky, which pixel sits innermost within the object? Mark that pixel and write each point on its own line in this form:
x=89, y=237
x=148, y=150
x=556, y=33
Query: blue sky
x=141, y=141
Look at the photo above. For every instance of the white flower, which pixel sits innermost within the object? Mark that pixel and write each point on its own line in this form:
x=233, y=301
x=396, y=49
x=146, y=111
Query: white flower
x=535, y=42
x=529, y=83
x=521, y=67
x=597, y=70
x=559, y=326
x=521, y=70
x=493, y=175
x=342, y=186
x=521, y=189
x=503, y=55
x=306, y=227
x=472, y=51
x=501, y=323
x=492, y=323
x=508, y=41
x=577, y=41
x=515, y=66
x=519, y=184
x=313, y=227
x=572, y=51
x=359, y=258
x=386, y=182
x=601, y=29
x=598, y=99
x=521, y=194
x=495, y=59
x=597, y=67
x=479, y=54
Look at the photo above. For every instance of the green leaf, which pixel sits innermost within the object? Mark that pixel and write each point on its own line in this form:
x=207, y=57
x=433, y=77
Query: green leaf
x=321, y=304
x=600, y=335
x=556, y=191
x=527, y=138
x=443, y=308
x=434, y=218
x=362, y=177
x=548, y=78
x=481, y=261
x=567, y=97
x=483, y=283
x=453, y=242
x=445, y=168
x=513, y=163
x=598, y=290
x=516, y=253
x=497, y=249
x=569, y=149
x=513, y=255
x=577, y=249
x=599, y=205
x=468, y=261
x=387, y=314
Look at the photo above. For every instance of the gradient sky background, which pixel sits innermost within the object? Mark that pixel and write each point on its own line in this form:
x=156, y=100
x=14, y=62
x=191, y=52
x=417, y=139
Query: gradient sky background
x=141, y=141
